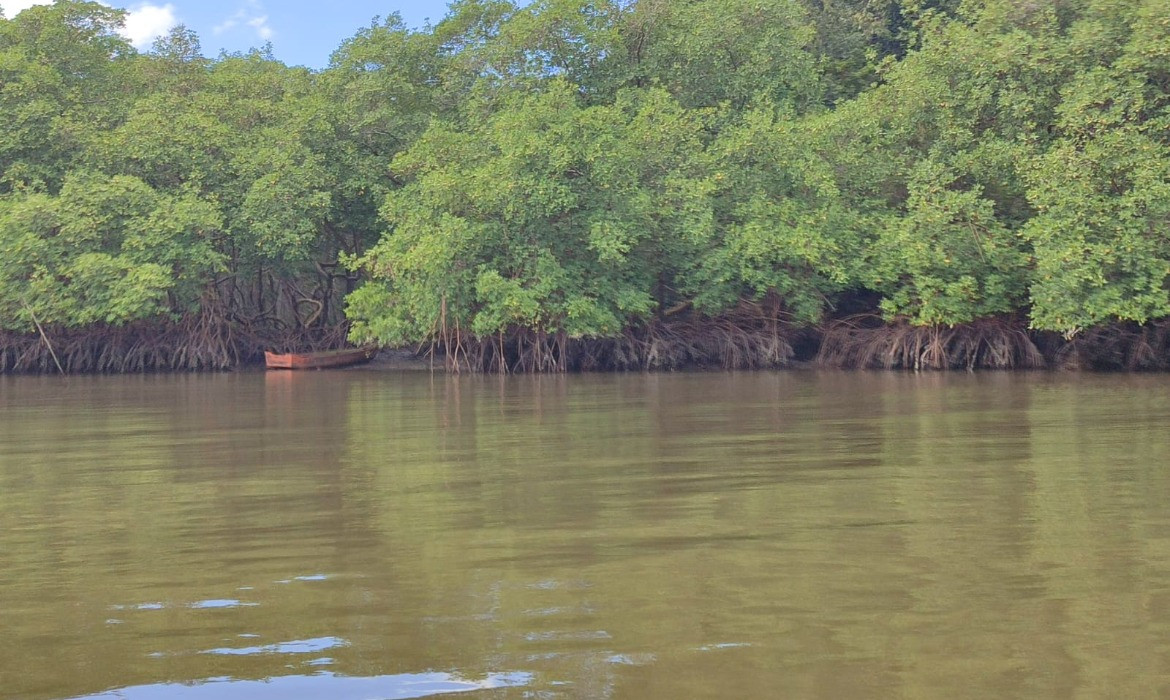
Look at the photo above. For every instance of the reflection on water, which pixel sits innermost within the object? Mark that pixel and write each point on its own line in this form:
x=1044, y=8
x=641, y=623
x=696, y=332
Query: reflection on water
x=324, y=685
x=229, y=603
x=305, y=646
x=816, y=535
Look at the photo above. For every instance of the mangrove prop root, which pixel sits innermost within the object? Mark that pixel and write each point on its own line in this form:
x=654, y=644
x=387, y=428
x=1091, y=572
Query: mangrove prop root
x=864, y=343
x=1117, y=347
x=199, y=342
x=747, y=338
x=736, y=341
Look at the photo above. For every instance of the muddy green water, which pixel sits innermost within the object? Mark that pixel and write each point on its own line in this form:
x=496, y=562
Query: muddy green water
x=358, y=535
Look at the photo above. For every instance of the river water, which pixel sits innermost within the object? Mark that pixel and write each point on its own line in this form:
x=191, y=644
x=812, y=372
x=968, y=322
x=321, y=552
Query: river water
x=358, y=535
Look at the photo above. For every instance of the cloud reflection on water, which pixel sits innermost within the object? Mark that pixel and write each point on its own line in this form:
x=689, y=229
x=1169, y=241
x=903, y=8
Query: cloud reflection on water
x=323, y=685
x=301, y=646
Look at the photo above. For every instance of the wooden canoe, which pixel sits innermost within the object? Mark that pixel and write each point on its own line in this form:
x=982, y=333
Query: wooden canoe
x=318, y=360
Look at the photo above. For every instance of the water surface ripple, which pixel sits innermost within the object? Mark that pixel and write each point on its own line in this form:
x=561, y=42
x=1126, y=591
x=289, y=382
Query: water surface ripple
x=359, y=534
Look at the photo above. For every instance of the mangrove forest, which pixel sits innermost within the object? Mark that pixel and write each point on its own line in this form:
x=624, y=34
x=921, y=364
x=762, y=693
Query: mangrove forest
x=597, y=184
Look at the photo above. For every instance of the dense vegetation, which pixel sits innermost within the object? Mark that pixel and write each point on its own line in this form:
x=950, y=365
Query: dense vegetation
x=598, y=184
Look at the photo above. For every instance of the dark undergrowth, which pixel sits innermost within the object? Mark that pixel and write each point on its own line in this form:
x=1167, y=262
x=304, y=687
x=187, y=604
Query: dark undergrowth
x=865, y=342
x=747, y=338
x=743, y=340
x=199, y=342
x=1119, y=347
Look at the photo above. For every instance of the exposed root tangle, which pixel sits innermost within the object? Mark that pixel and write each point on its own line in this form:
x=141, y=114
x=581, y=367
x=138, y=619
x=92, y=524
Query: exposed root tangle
x=864, y=342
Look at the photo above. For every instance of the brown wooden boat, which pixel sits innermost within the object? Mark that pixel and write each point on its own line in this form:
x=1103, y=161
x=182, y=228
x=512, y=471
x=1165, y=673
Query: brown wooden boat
x=319, y=360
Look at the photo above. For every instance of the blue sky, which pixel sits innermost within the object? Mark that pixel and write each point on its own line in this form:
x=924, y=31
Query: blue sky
x=302, y=32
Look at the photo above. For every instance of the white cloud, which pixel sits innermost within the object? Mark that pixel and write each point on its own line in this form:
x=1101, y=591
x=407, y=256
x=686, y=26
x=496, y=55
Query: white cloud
x=12, y=7
x=250, y=15
x=145, y=23
x=260, y=24
x=225, y=25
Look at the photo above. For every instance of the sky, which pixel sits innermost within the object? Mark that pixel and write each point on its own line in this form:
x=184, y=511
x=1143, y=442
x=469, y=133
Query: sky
x=302, y=32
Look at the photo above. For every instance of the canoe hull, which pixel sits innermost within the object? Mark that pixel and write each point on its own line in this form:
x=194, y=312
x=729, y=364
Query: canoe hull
x=318, y=360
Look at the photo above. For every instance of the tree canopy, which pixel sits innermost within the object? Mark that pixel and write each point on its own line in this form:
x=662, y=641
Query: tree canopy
x=583, y=170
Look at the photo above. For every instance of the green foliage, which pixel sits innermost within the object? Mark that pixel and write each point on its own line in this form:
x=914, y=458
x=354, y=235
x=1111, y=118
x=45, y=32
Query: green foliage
x=1102, y=192
x=735, y=51
x=106, y=250
x=61, y=66
x=945, y=188
x=577, y=168
x=553, y=216
x=1100, y=237
x=948, y=259
x=780, y=224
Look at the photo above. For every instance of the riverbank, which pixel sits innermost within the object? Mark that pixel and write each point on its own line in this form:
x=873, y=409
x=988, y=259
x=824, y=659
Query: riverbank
x=858, y=342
